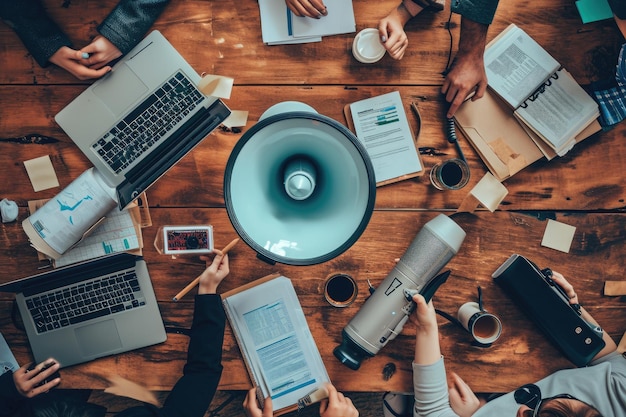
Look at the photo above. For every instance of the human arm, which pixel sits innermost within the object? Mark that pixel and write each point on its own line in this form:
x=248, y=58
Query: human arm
x=194, y=391
x=19, y=386
x=309, y=8
x=37, y=31
x=467, y=74
x=391, y=31
x=429, y=373
x=610, y=345
x=129, y=21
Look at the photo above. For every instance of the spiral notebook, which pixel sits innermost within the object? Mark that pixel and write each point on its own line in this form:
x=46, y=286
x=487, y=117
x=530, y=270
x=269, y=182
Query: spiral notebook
x=545, y=97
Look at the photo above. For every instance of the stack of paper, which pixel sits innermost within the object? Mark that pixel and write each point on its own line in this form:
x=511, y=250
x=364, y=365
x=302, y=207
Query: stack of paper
x=279, y=26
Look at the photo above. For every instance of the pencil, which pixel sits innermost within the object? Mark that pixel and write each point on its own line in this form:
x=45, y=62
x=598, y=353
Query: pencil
x=195, y=282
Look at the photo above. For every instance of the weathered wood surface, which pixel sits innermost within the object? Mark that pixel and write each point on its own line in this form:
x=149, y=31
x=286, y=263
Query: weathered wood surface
x=584, y=188
x=596, y=255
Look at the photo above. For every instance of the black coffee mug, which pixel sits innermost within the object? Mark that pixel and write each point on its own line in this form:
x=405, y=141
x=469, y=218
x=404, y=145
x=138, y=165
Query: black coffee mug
x=340, y=290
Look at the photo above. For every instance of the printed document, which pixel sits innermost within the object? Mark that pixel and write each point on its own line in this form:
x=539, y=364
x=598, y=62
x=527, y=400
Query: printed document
x=275, y=341
x=381, y=125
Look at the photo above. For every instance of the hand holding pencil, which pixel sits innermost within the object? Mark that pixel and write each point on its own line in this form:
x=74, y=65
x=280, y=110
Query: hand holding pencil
x=216, y=271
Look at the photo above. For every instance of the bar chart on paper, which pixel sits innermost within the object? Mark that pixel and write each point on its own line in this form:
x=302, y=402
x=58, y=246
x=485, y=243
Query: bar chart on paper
x=116, y=234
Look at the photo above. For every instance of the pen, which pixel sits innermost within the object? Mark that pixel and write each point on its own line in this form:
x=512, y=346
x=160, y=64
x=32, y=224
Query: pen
x=195, y=282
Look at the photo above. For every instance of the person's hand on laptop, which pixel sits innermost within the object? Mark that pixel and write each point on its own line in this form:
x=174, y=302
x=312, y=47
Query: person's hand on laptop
x=30, y=383
x=216, y=271
x=73, y=62
x=101, y=51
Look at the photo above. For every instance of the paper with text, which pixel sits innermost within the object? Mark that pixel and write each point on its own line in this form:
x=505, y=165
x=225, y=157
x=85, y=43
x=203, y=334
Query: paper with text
x=381, y=125
x=516, y=65
x=276, y=342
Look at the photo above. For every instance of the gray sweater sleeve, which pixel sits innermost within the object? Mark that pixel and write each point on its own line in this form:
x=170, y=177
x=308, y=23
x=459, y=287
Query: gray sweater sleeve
x=127, y=24
x=40, y=34
x=431, y=391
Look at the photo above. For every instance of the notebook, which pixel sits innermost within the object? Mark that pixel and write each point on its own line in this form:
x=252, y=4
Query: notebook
x=89, y=310
x=141, y=118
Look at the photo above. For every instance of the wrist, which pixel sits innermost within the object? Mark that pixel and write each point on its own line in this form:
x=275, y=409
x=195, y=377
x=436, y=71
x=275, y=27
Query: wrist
x=402, y=14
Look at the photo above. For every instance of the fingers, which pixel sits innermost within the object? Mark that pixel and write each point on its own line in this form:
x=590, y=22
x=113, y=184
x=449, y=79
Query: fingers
x=309, y=8
x=251, y=405
x=568, y=288
x=32, y=382
x=337, y=404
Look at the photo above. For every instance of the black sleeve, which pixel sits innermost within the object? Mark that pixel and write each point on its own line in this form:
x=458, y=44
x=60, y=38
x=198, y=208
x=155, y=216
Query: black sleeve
x=194, y=391
x=127, y=24
x=40, y=34
x=10, y=399
x=619, y=8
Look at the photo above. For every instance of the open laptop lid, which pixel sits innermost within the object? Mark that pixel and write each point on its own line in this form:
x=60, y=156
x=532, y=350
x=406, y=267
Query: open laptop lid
x=69, y=274
x=100, y=108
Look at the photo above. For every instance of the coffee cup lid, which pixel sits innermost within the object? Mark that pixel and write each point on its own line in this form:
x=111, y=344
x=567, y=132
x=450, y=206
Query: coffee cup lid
x=367, y=47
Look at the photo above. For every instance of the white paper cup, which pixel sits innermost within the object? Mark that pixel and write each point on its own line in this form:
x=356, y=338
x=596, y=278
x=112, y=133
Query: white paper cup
x=367, y=47
x=484, y=327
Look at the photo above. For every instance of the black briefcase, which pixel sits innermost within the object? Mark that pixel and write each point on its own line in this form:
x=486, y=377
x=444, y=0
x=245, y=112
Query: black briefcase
x=545, y=303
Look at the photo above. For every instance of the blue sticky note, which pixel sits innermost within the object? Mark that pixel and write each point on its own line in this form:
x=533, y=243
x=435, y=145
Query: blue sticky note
x=594, y=10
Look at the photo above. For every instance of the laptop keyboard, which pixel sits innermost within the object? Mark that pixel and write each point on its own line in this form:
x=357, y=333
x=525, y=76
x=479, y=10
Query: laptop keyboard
x=85, y=301
x=141, y=129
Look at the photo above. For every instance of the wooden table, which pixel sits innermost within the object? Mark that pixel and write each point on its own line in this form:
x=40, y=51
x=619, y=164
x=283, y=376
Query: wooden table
x=584, y=188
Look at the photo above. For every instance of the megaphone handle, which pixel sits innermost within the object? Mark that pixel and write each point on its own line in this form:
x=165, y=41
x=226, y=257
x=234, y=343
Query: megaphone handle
x=433, y=285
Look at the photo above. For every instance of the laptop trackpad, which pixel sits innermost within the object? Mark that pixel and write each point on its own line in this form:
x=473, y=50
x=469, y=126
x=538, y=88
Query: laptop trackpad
x=120, y=90
x=98, y=338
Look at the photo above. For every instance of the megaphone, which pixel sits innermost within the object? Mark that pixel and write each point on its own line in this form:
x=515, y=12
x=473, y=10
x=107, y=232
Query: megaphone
x=384, y=314
x=299, y=187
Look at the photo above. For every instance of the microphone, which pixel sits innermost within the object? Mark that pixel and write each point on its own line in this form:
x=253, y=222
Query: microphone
x=384, y=314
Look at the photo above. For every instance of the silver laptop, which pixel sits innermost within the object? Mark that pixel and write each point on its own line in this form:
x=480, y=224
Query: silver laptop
x=89, y=310
x=140, y=119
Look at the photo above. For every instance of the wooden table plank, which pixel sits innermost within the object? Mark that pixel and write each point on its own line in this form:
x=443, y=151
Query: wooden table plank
x=224, y=37
x=588, y=178
x=596, y=256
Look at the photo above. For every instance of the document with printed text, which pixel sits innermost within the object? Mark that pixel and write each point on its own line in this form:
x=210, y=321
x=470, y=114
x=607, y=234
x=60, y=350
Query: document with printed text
x=275, y=341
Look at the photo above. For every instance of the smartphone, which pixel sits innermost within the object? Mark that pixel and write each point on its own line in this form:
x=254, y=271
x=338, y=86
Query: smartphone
x=178, y=240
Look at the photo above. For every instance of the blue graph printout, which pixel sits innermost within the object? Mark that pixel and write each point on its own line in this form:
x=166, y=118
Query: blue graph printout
x=63, y=220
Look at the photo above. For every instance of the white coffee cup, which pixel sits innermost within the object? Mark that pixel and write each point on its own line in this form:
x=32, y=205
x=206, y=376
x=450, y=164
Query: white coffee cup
x=367, y=47
x=484, y=327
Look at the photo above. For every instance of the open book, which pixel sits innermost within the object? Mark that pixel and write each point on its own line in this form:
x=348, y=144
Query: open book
x=275, y=341
x=503, y=139
x=70, y=215
x=546, y=98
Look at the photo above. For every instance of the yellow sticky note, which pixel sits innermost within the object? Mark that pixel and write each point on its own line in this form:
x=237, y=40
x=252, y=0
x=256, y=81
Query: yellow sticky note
x=237, y=118
x=216, y=86
x=41, y=173
x=489, y=191
x=558, y=236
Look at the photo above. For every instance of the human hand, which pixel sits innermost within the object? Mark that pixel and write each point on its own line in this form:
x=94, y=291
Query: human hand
x=425, y=317
x=568, y=288
x=101, y=51
x=462, y=399
x=391, y=31
x=309, y=8
x=467, y=75
x=216, y=270
x=73, y=62
x=337, y=405
x=251, y=406
x=27, y=382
